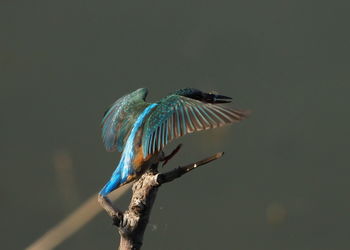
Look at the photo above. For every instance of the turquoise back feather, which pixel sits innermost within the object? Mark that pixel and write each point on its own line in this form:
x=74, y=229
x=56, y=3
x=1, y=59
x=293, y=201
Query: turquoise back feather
x=120, y=117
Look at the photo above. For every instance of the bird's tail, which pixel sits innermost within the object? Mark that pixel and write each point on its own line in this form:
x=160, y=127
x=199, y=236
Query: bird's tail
x=123, y=174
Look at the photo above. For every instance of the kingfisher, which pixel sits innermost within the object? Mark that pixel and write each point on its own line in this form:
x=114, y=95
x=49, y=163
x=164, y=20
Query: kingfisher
x=140, y=130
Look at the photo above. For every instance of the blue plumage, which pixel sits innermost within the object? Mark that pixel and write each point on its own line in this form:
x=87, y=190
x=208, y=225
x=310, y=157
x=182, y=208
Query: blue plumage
x=124, y=168
x=140, y=130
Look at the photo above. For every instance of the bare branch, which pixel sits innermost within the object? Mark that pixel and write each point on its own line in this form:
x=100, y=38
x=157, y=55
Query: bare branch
x=133, y=222
x=165, y=159
x=113, y=212
x=178, y=172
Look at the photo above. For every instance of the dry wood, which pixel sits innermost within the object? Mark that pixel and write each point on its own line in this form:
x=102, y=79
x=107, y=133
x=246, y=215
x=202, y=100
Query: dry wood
x=132, y=223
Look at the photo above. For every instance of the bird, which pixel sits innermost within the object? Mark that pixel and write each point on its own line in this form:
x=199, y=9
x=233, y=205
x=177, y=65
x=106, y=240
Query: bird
x=140, y=130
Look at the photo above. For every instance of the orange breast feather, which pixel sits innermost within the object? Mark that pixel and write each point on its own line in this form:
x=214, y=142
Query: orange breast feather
x=139, y=160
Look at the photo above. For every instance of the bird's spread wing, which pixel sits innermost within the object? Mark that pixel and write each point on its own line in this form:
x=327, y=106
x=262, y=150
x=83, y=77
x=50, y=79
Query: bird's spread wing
x=120, y=117
x=176, y=115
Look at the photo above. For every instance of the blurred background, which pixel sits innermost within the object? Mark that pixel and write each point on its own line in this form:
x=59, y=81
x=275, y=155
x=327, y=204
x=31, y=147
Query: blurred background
x=283, y=183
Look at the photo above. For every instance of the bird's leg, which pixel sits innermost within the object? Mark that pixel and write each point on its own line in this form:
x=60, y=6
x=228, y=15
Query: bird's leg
x=165, y=159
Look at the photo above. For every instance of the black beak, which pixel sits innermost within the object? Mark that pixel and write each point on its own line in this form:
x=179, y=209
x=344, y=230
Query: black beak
x=214, y=98
x=221, y=99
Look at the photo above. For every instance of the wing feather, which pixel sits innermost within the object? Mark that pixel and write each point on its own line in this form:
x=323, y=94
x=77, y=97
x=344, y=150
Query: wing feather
x=177, y=115
x=120, y=117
